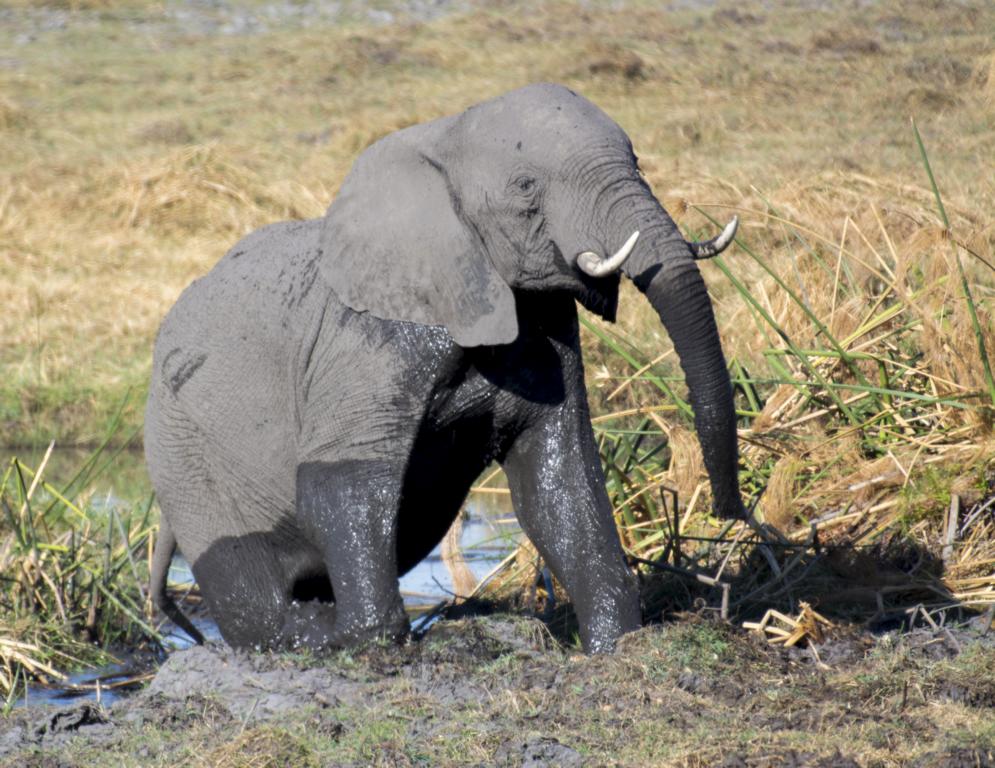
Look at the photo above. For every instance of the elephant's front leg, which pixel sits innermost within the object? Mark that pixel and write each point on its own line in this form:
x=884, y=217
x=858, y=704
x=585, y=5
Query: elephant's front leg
x=558, y=488
x=351, y=509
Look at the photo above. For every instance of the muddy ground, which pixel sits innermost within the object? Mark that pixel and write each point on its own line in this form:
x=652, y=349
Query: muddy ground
x=500, y=691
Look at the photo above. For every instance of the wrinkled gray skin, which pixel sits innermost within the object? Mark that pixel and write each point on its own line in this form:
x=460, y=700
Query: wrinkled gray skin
x=323, y=399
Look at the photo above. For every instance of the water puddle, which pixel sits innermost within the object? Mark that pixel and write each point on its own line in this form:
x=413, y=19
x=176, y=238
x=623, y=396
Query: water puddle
x=490, y=533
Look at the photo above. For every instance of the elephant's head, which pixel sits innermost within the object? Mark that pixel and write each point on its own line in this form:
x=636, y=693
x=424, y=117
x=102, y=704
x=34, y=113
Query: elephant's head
x=537, y=190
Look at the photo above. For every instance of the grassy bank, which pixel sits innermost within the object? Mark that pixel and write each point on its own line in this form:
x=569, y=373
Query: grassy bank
x=136, y=148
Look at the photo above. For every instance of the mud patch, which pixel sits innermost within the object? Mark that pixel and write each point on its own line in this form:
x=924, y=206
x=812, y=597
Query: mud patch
x=250, y=686
x=57, y=727
x=498, y=690
x=537, y=752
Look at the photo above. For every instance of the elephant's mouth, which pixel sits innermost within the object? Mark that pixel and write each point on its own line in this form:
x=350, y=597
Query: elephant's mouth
x=600, y=295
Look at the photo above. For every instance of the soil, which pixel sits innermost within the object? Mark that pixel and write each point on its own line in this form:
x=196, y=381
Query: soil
x=500, y=690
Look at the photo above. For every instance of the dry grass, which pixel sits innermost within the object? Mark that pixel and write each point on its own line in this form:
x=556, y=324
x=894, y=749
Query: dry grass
x=260, y=747
x=127, y=168
x=864, y=402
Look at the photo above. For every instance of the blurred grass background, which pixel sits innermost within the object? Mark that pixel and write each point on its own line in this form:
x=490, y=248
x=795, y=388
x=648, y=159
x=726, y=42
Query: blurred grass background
x=137, y=146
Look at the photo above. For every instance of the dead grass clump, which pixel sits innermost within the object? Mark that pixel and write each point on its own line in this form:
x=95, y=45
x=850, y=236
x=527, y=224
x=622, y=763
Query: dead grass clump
x=607, y=60
x=170, y=131
x=869, y=481
x=511, y=29
x=391, y=49
x=779, y=498
x=782, y=399
x=12, y=115
x=736, y=19
x=925, y=99
x=687, y=466
x=941, y=71
x=195, y=189
x=22, y=659
x=846, y=43
x=261, y=747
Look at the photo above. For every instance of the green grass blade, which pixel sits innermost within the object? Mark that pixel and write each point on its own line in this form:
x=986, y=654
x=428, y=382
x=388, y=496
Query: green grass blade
x=929, y=173
x=813, y=318
x=614, y=346
x=82, y=478
x=965, y=288
x=802, y=358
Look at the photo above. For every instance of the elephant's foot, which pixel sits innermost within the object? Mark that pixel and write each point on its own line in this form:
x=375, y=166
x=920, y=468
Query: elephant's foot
x=315, y=626
x=390, y=625
x=397, y=633
x=309, y=625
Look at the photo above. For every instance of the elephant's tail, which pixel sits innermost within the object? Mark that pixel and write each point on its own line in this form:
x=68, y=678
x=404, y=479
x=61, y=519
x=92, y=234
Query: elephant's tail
x=161, y=560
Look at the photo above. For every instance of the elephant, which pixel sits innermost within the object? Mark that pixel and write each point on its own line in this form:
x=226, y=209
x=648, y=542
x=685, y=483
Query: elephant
x=323, y=399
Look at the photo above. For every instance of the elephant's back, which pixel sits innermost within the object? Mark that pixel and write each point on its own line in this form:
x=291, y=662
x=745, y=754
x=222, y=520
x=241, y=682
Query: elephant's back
x=261, y=284
x=225, y=362
x=244, y=318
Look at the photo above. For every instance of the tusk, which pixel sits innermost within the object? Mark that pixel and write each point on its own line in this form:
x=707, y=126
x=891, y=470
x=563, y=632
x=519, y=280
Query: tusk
x=595, y=266
x=716, y=245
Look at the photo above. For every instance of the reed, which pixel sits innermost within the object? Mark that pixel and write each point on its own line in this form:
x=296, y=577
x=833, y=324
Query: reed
x=74, y=564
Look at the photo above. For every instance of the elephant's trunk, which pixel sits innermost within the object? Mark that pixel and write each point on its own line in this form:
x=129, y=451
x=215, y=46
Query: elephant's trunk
x=662, y=266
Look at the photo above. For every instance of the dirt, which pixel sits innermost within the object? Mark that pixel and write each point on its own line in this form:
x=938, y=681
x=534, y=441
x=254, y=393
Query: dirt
x=500, y=690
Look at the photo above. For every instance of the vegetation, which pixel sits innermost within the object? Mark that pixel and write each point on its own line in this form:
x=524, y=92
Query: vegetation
x=128, y=167
x=865, y=404
x=74, y=566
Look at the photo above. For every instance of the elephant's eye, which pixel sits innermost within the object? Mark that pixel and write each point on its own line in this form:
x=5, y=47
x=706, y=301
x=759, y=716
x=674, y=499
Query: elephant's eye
x=525, y=184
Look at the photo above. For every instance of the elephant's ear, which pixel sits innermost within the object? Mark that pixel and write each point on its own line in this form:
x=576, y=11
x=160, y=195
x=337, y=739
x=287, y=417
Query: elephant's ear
x=396, y=244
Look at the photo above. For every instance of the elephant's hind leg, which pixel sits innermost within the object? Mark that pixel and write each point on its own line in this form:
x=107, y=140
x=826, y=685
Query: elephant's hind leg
x=263, y=596
x=263, y=588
